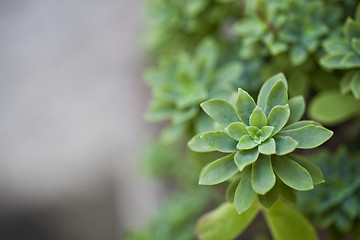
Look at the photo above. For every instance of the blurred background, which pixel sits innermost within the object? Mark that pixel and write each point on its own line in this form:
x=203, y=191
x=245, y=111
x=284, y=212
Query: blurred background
x=72, y=101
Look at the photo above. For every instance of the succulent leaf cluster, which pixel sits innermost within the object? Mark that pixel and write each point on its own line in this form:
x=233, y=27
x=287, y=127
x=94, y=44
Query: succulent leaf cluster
x=336, y=203
x=179, y=85
x=344, y=53
x=296, y=27
x=258, y=137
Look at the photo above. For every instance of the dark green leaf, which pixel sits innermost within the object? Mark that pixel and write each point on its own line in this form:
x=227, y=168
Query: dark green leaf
x=218, y=171
x=244, y=194
x=262, y=177
x=351, y=29
x=220, y=111
x=314, y=170
x=230, y=190
x=220, y=141
x=292, y=174
x=298, y=55
x=336, y=46
x=332, y=61
x=270, y=197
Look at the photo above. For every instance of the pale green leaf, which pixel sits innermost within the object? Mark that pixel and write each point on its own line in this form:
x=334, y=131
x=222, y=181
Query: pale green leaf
x=230, y=190
x=267, y=131
x=262, y=177
x=309, y=136
x=258, y=118
x=172, y=132
x=286, y=223
x=220, y=141
x=336, y=46
x=221, y=111
x=236, y=130
x=159, y=111
x=268, y=147
x=284, y=145
x=246, y=142
x=245, y=157
x=301, y=124
x=297, y=109
x=314, y=170
x=332, y=61
x=244, y=194
x=345, y=82
x=218, y=171
x=252, y=130
x=224, y=222
x=277, y=96
x=266, y=88
x=244, y=105
x=198, y=145
x=292, y=174
x=298, y=55
x=278, y=117
x=331, y=107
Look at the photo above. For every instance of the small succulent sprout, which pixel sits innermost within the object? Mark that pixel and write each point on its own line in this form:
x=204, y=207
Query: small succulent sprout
x=259, y=136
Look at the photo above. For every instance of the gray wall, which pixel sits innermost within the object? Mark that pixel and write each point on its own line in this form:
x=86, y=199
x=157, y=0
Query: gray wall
x=71, y=104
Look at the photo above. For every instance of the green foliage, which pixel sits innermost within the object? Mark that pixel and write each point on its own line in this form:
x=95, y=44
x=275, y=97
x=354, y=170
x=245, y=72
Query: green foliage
x=258, y=138
x=335, y=204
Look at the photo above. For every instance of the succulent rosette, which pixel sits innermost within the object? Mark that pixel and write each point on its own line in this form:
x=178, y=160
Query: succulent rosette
x=258, y=137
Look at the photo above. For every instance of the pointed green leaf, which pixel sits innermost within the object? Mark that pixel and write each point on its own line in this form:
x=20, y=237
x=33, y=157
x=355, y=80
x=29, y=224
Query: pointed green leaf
x=297, y=109
x=314, y=170
x=236, y=130
x=221, y=111
x=350, y=60
x=220, y=141
x=331, y=107
x=184, y=115
x=218, y=171
x=198, y=145
x=258, y=118
x=355, y=44
x=277, y=96
x=262, y=177
x=267, y=87
x=268, y=147
x=345, y=82
x=292, y=174
x=269, y=199
x=244, y=194
x=252, y=130
x=232, y=224
x=309, y=136
x=332, y=61
x=267, y=131
x=246, y=142
x=245, y=157
x=230, y=190
x=355, y=85
x=286, y=223
x=278, y=117
x=244, y=105
x=336, y=46
x=285, y=145
x=301, y=124
x=351, y=29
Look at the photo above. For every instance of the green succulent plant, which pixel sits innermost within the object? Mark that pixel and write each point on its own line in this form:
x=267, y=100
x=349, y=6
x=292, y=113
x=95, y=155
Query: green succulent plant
x=344, y=53
x=335, y=204
x=274, y=27
x=258, y=138
x=179, y=85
